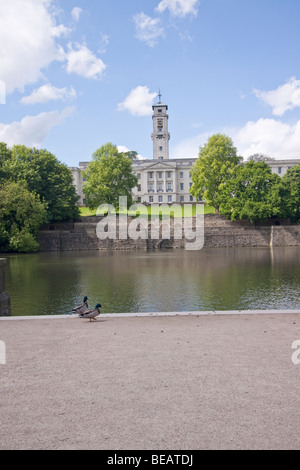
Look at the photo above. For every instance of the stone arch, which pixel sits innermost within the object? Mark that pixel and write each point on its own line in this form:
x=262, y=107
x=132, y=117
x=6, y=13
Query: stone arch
x=166, y=244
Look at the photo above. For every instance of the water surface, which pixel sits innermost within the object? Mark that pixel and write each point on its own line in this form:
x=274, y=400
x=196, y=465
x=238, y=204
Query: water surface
x=165, y=281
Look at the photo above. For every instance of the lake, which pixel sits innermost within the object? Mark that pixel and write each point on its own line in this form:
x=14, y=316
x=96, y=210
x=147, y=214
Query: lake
x=164, y=281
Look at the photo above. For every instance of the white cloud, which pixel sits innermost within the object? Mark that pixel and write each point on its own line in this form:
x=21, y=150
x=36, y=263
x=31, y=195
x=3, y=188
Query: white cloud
x=30, y=41
x=28, y=35
x=148, y=29
x=179, y=7
x=285, y=97
x=76, y=12
x=123, y=149
x=105, y=38
x=32, y=130
x=273, y=138
x=138, y=102
x=268, y=136
x=49, y=93
x=82, y=61
x=2, y=92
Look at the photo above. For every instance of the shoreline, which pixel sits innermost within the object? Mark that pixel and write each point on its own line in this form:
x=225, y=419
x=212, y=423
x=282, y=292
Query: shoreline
x=159, y=314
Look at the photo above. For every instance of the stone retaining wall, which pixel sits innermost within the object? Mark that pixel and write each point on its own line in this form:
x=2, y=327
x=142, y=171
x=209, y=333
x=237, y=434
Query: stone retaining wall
x=219, y=232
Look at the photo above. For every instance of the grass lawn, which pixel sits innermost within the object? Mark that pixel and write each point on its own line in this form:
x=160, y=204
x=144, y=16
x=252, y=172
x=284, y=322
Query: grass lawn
x=152, y=210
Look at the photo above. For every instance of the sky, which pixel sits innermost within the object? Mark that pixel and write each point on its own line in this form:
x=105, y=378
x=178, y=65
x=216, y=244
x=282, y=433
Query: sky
x=77, y=74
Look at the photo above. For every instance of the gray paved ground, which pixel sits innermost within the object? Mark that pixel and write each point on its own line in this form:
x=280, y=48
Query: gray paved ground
x=158, y=383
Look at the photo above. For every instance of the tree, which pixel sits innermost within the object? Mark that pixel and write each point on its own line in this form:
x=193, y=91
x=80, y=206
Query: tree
x=291, y=181
x=132, y=154
x=5, y=157
x=47, y=177
x=21, y=215
x=259, y=157
x=108, y=176
x=214, y=167
x=253, y=193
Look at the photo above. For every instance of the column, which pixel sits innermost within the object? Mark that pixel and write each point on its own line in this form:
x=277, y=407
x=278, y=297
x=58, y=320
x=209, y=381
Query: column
x=175, y=184
x=5, y=310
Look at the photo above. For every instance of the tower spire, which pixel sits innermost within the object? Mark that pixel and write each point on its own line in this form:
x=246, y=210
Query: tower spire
x=159, y=96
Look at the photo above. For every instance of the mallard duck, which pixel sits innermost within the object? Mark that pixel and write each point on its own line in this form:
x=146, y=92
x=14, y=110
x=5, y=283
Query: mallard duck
x=91, y=313
x=82, y=307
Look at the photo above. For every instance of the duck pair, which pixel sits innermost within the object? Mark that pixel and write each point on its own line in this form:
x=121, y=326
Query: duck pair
x=84, y=311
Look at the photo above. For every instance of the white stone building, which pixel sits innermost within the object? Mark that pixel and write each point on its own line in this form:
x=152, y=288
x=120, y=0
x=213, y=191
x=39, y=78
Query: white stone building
x=163, y=180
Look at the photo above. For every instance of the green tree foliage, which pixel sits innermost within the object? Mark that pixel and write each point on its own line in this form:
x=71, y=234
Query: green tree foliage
x=45, y=176
x=5, y=157
x=108, y=176
x=291, y=181
x=21, y=215
x=259, y=157
x=132, y=154
x=253, y=193
x=215, y=166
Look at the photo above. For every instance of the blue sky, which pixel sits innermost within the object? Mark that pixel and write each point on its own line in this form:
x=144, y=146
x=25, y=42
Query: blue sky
x=77, y=74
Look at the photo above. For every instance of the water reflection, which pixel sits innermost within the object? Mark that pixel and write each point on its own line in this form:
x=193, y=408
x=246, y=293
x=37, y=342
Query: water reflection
x=211, y=279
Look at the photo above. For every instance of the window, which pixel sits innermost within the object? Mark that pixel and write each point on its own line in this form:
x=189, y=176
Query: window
x=181, y=174
x=150, y=198
x=160, y=158
x=169, y=187
x=160, y=188
x=160, y=199
x=139, y=188
x=280, y=170
x=160, y=148
x=190, y=175
x=191, y=184
x=181, y=186
x=150, y=189
x=169, y=174
x=191, y=198
x=160, y=110
x=181, y=198
x=160, y=175
x=169, y=198
x=151, y=175
x=139, y=176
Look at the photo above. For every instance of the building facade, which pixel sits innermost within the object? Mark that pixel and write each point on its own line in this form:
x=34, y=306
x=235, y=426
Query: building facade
x=163, y=180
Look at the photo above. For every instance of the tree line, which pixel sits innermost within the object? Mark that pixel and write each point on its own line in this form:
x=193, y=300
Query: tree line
x=35, y=188
x=244, y=190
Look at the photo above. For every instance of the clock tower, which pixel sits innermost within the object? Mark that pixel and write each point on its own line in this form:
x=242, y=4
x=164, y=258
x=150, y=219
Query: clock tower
x=160, y=134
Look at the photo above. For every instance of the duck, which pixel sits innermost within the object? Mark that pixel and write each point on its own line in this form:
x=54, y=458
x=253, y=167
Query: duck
x=82, y=307
x=91, y=313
